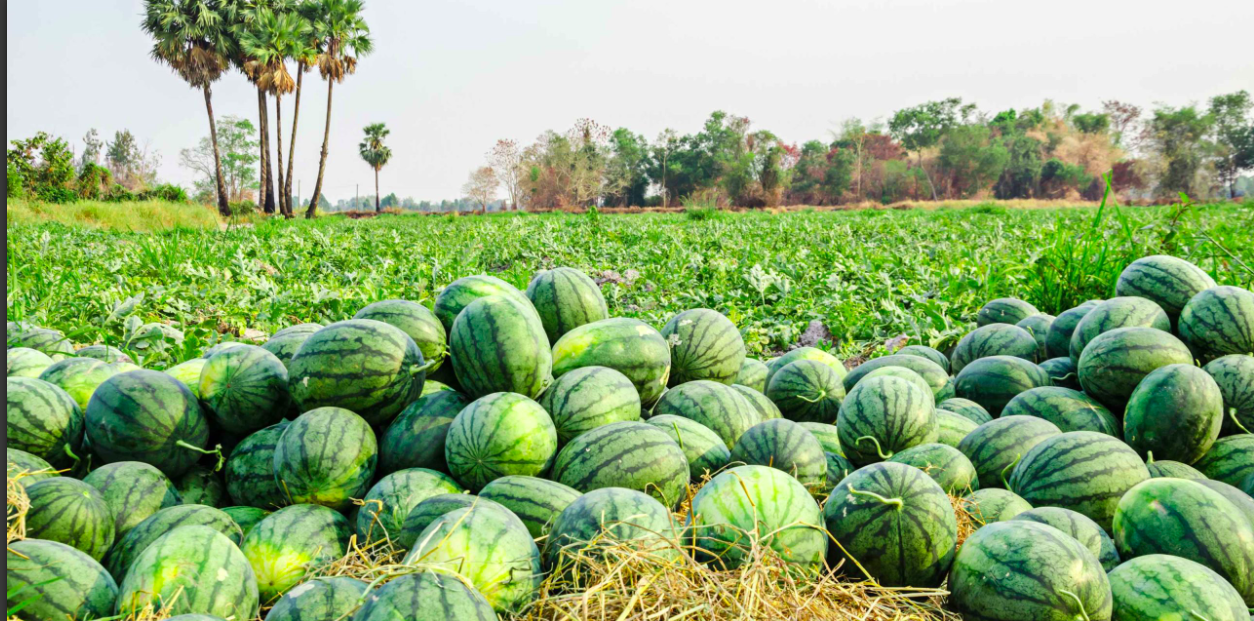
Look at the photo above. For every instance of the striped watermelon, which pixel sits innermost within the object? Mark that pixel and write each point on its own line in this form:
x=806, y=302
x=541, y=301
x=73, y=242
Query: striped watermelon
x=44, y=421
x=945, y=464
x=566, y=298
x=24, y=468
x=244, y=389
x=705, y=451
x=935, y=376
x=1230, y=459
x=1186, y=519
x=105, y=353
x=1235, y=376
x=1168, y=281
x=461, y=292
x=806, y=391
x=1239, y=499
x=414, y=320
x=288, y=544
x=498, y=345
x=1004, y=310
x=137, y=539
x=1084, y=471
x=894, y=523
x=1069, y=410
x=884, y=415
x=924, y=351
x=220, y=347
x=391, y=499
x=786, y=446
x=415, y=439
x=245, y=517
x=760, y=500
x=284, y=343
x=320, y=598
x=535, y=501
x=805, y=353
x=996, y=339
x=837, y=469
x=147, y=416
x=79, y=377
x=610, y=516
x=428, y=511
x=1038, y=327
x=1115, y=362
x=71, y=512
x=1113, y=314
x=752, y=374
x=705, y=345
x=189, y=374
x=1176, y=413
x=902, y=373
x=952, y=428
x=993, y=381
x=1172, y=469
x=1085, y=530
x=1158, y=586
x=586, y=398
x=996, y=447
x=827, y=435
x=498, y=435
x=250, y=470
x=1058, y=341
x=1219, y=321
x=187, y=571
x=628, y=346
x=766, y=408
x=133, y=491
x=717, y=406
x=50, y=581
x=326, y=457
x=1024, y=571
x=51, y=342
x=1062, y=372
x=632, y=455
x=989, y=505
x=425, y=596
x=27, y=362
x=966, y=408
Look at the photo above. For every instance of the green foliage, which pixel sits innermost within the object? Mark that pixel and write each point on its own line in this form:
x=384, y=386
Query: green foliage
x=1178, y=135
x=970, y=159
x=44, y=166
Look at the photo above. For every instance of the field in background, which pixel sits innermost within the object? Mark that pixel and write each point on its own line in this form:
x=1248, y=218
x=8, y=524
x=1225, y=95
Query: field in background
x=140, y=216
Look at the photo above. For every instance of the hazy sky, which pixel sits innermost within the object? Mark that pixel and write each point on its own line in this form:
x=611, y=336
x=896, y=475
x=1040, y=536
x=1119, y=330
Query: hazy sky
x=450, y=77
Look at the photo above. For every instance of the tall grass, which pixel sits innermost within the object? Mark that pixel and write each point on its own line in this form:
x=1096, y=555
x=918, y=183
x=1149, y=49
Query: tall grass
x=140, y=216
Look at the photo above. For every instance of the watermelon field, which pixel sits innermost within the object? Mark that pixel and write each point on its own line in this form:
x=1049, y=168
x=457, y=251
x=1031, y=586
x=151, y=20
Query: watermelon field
x=976, y=414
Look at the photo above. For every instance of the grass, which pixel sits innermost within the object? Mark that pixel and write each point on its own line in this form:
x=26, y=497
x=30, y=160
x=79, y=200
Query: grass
x=141, y=216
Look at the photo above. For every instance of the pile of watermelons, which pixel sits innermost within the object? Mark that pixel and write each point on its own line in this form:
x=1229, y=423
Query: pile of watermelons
x=1111, y=474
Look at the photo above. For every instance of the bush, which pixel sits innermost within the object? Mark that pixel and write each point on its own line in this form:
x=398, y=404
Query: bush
x=118, y=193
x=52, y=194
x=13, y=182
x=243, y=208
x=93, y=181
x=166, y=192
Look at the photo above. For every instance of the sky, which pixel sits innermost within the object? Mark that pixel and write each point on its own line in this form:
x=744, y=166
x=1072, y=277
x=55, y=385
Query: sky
x=450, y=77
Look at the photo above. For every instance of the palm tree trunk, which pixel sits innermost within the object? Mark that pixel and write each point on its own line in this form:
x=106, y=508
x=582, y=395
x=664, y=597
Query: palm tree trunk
x=377, y=209
x=223, y=207
x=284, y=206
x=322, y=161
x=291, y=139
x=269, y=190
x=261, y=160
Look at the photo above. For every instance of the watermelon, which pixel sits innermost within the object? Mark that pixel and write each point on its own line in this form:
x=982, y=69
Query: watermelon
x=498, y=435
x=632, y=455
x=1219, y=321
x=1115, y=362
x=1004, y=310
x=752, y=374
x=1167, y=281
x=461, y=292
x=201, y=486
x=1176, y=413
x=884, y=415
x=1113, y=314
x=133, y=491
x=705, y=451
x=1186, y=519
x=245, y=517
x=952, y=428
x=806, y=391
x=320, y=598
x=189, y=374
x=147, y=416
x=50, y=581
x=498, y=345
x=1085, y=530
x=1069, y=410
x=24, y=468
x=1248, y=485
x=327, y=457
x=990, y=505
x=105, y=353
x=535, y=501
x=1230, y=459
x=284, y=343
x=27, y=362
x=996, y=447
x=924, y=351
x=79, y=377
x=1058, y=341
x=414, y=320
x=903, y=373
x=382, y=516
x=935, y=375
x=786, y=446
x=1062, y=372
x=996, y=339
x=628, y=346
x=1038, y=327
x=424, y=596
x=717, y=406
x=220, y=347
x=1158, y=586
x=566, y=298
x=1235, y=376
x=965, y=408
x=44, y=421
x=586, y=398
x=1239, y=499
x=71, y=512
x=428, y=511
x=137, y=539
x=766, y=408
x=705, y=345
x=945, y=464
x=244, y=389
x=50, y=342
x=993, y=381
x=837, y=469
x=894, y=523
x=288, y=544
x=1084, y=471
x=611, y=516
x=415, y=439
x=250, y=470
x=186, y=571
x=759, y=502
x=1172, y=469
x=368, y=367
x=827, y=435
x=1025, y=571
x=490, y=547
x=806, y=353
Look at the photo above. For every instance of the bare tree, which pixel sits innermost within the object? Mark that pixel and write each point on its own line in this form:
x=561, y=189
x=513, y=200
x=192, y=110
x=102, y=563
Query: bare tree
x=506, y=159
x=666, y=143
x=481, y=187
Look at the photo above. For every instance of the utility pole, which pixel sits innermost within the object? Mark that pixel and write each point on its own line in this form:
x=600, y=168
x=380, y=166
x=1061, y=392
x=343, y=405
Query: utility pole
x=357, y=197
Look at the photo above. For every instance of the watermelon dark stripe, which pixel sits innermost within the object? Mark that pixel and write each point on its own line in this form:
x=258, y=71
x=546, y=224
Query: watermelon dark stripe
x=705, y=345
x=1219, y=321
x=461, y=292
x=753, y=374
x=128, y=548
x=1084, y=471
x=1239, y=499
x=1235, y=376
x=766, y=408
x=284, y=343
x=290, y=543
x=705, y=451
x=147, y=416
x=133, y=491
x=250, y=470
x=997, y=339
x=610, y=516
x=944, y=464
x=806, y=391
x=628, y=346
x=245, y=517
x=1175, y=413
x=43, y=420
x=382, y=516
x=428, y=511
x=1159, y=586
x=79, y=377
x=1230, y=459
x=632, y=455
x=415, y=439
x=1113, y=314
x=326, y=456
x=884, y=415
x=805, y=353
x=1069, y=410
x=966, y=408
x=244, y=389
x=1168, y=281
x=1004, y=310
x=498, y=435
x=1058, y=341
x=566, y=298
x=71, y=512
x=56, y=582
x=990, y=505
x=935, y=375
x=537, y=502
x=993, y=381
x=586, y=398
x=328, y=598
x=1115, y=362
x=27, y=362
x=414, y=320
x=1172, y=469
x=183, y=572
x=498, y=345
x=425, y=596
x=997, y=446
x=1085, y=530
x=924, y=351
x=787, y=446
x=717, y=406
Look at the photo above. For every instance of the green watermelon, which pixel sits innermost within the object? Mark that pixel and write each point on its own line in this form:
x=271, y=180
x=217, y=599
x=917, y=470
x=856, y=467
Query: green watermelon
x=705, y=345
x=806, y=353
x=632, y=455
x=952, y=428
x=1248, y=485
x=1004, y=310
x=1024, y=571
x=414, y=320
x=1115, y=362
x=191, y=569
x=1230, y=459
x=827, y=435
x=1113, y=314
x=766, y=408
x=24, y=468
x=752, y=374
x=147, y=416
x=250, y=470
x=996, y=339
x=895, y=524
x=50, y=342
x=935, y=375
x=425, y=596
x=50, y=581
x=244, y=389
x=1219, y=321
x=284, y=343
x=1058, y=341
x=27, y=362
x=134, y=491
x=628, y=346
x=498, y=345
x=105, y=353
x=1062, y=372
x=326, y=457
x=489, y=546
x=1158, y=586
x=189, y=374
x=1084, y=471
x=79, y=377
x=884, y=415
x=71, y=512
x=993, y=381
x=1176, y=413
x=535, y=501
x=924, y=351
x=990, y=505
x=44, y=421
x=245, y=517
x=705, y=451
x=1070, y=410
x=461, y=292
x=965, y=408
x=288, y=544
x=382, y=516
x=137, y=539
x=786, y=446
x=996, y=447
x=837, y=469
x=1085, y=530
x=320, y=598
x=610, y=516
x=586, y=398
x=717, y=406
x=220, y=347
x=806, y=391
x=566, y=298
x=1235, y=376
x=498, y=435
x=775, y=507
x=1186, y=519
x=903, y=373
x=1172, y=469
x=201, y=486
x=415, y=439
x=428, y=511
x=1038, y=327
x=1167, y=281
x=945, y=464
x=1239, y=499
x=368, y=367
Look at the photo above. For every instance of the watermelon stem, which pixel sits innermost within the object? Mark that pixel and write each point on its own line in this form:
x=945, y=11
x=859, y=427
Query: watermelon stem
x=897, y=503
x=1232, y=412
x=1010, y=468
x=423, y=368
x=217, y=450
x=822, y=396
x=1080, y=603
x=878, y=450
x=70, y=452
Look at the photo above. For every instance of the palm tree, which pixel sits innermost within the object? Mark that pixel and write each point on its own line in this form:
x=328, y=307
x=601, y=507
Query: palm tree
x=193, y=38
x=270, y=40
x=343, y=37
x=241, y=14
x=305, y=53
x=376, y=154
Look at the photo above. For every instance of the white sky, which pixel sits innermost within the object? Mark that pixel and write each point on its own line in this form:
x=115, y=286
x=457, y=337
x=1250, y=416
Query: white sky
x=449, y=77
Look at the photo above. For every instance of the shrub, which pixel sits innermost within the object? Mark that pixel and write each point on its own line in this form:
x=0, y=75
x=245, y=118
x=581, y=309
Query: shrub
x=167, y=192
x=118, y=193
x=13, y=182
x=93, y=181
x=53, y=194
x=243, y=208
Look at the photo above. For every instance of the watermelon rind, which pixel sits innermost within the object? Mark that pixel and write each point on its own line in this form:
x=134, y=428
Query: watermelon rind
x=537, y=502
x=186, y=571
x=805, y=353
x=327, y=598
x=628, y=346
x=79, y=377
x=705, y=345
x=609, y=517
x=425, y=596
x=385, y=507
x=924, y=351
x=284, y=343
x=1062, y=372
x=249, y=471
x=1115, y=313
x=1159, y=586
x=766, y=408
x=997, y=446
x=292, y=542
x=428, y=511
x=787, y=446
x=717, y=406
x=806, y=391
x=71, y=512
x=1038, y=326
x=753, y=374
x=997, y=339
x=566, y=298
x=935, y=375
x=1079, y=526
x=1172, y=469
x=1058, y=341
x=991, y=505
x=882, y=416
x=965, y=408
x=1004, y=310
x=586, y=398
x=461, y=292
x=129, y=547
x=1069, y=410
x=498, y=345
x=202, y=486
x=498, y=435
x=147, y=416
x=43, y=420
x=1085, y=471
x=1168, y=281
x=631, y=455
x=1219, y=321
x=51, y=581
x=1175, y=413
x=414, y=320
x=134, y=491
x=106, y=353
x=952, y=428
x=944, y=464
x=1229, y=459
x=415, y=438
x=1235, y=376
x=705, y=451
x=1114, y=363
x=326, y=456
x=23, y=468
x=27, y=362
x=245, y=517
x=993, y=381
x=244, y=389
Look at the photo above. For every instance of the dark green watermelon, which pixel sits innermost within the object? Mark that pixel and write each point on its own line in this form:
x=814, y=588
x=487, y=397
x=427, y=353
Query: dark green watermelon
x=244, y=389
x=766, y=408
x=1159, y=586
x=382, y=516
x=705, y=451
x=1070, y=410
x=997, y=339
x=837, y=469
x=50, y=581
x=43, y=420
x=1115, y=313
x=786, y=446
x=1175, y=413
x=1239, y=499
x=71, y=512
x=991, y=504
x=415, y=439
x=414, y=320
x=284, y=343
x=27, y=362
x=498, y=435
x=566, y=298
x=966, y=408
x=147, y=416
x=535, y=501
x=805, y=353
x=952, y=428
x=1235, y=376
x=996, y=447
x=327, y=457
x=586, y=398
x=806, y=391
x=717, y=406
x=249, y=471
x=827, y=435
x=288, y=544
x=628, y=346
x=79, y=377
x=935, y=375
x=498, y=345
x=884, y=415
x=632, y=455
x=993, y=381
x=128, y=548
x=245, y=517
x=190, y=570
x=134, y=491
x=1085, y=530
x=1038, y=327
x=609, y=517
x=1172, y=469
x=705, y=345
x=461, y=292
x=1230, y=459
x=1115, y=362
x=24, y=468
x=902, y=373
x=1004, y=310
x=1084, y=471
x=1219, y=321
x=1168, y=281
x=428, y=511
x=752, y=374
x=1058, y=341
x=328, y=598
x=945, y=464
x=924, y=351
x=1062, y=372
x=105, y=353
x=201, y=486
x=425, y=596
